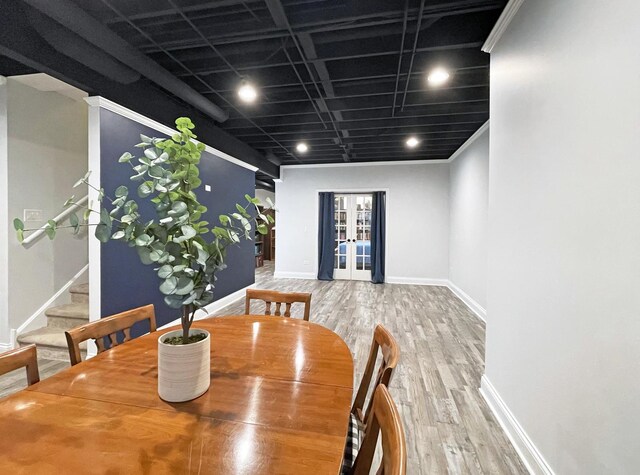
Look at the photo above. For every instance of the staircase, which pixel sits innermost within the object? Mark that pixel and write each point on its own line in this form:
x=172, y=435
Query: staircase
x=50, y=340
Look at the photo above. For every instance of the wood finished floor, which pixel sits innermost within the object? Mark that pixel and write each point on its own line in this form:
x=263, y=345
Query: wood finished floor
x=449, y=428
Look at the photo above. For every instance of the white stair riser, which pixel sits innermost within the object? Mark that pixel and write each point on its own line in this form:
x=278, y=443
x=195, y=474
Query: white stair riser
x=65, y=323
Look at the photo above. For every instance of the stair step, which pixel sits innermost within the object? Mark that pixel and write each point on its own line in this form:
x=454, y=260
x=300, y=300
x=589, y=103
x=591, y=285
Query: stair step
x=51, y=343
x=79, y=293
x=67, y=316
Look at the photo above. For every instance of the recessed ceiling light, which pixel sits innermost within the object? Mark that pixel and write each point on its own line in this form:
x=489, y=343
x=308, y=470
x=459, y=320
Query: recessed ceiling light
x=302, y=147
x=412, y=142
x=438, y=76
x=247, y=92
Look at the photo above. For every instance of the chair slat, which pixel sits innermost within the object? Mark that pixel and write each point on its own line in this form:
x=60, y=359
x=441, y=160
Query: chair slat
x=279, y=298
x=108, y=327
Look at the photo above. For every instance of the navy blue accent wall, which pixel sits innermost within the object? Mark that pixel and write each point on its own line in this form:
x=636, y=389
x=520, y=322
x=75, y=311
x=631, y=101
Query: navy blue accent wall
x=126, y=282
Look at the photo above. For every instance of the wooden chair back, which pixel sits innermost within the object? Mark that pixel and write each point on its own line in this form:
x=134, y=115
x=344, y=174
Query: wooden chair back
x=386, y=343
x=108, y=327
x=279, y=298
x=385, y=419
x=25, y=357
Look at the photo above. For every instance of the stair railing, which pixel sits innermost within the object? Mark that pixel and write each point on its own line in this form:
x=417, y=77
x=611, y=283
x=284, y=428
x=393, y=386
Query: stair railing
x=36, y=235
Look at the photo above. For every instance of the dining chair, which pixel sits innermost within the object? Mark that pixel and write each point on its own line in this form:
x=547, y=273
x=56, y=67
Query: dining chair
x=279, y=298
x=385, y=419
x=25, y=357
x=386, y=343
x=108, y=327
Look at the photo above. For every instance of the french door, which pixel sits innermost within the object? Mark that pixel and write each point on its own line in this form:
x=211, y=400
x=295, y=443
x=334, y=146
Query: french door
x=353, y=236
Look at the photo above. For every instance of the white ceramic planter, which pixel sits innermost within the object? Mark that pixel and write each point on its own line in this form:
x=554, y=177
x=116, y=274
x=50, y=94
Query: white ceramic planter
x=183, y=370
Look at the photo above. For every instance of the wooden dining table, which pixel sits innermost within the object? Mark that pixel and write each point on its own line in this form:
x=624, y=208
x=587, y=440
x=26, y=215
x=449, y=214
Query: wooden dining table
x=279, y=403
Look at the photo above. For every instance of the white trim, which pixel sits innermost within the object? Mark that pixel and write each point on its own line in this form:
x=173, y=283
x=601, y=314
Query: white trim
x=4, y=214
x=294, y=275
x=528, y=452
x=95, y=276
x=416, y=281
x=97, y=101
x=474, y=306
x=363, y=164
x=51, y=300
x=27, y=242
x=6, y=346
x=215, y=306
x=455, y=154
x=501, y=25
x=469, y=141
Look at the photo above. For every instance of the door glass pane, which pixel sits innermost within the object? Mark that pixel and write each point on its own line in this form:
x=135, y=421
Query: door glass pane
x=363, y=233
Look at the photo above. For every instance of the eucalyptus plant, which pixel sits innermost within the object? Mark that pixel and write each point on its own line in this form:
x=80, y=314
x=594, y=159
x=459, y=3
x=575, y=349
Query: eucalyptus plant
x=184, y=249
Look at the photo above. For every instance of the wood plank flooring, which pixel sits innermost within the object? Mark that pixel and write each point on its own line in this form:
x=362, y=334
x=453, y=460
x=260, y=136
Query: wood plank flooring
x=449, y=428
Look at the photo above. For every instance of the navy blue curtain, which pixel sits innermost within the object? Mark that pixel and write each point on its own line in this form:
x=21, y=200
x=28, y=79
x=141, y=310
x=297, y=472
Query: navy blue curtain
x=326, y=237
x=378, y=224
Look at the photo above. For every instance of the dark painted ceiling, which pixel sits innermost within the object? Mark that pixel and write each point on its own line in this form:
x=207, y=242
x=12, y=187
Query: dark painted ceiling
x=346, y=77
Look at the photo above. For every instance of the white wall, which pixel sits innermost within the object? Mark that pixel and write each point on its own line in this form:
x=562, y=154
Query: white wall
x=4, y=218
x=47, y=149
x=563, y=339
x=468, y=207
x=417, y=217
x=262, y=195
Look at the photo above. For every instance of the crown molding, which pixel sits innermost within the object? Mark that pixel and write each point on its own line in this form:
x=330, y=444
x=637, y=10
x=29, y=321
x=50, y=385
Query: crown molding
x=363, y=164
x=469, y=141
x=501, y=25
x=97, y=101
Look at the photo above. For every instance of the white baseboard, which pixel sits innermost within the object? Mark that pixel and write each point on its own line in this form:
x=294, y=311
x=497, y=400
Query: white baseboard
x=294, y=275
x=475, y=307
x=215, y=306
x=415, y=281
x=6, y=346
x=528, y=452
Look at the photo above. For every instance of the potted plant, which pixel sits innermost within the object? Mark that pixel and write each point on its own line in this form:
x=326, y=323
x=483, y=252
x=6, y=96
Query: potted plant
x=185, y=250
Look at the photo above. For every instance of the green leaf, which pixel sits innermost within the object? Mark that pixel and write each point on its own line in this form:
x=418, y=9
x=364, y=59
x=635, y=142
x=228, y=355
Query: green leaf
x=173, y=301
x=121, y=192
x=118, y=235
x=269, y=202
x=69, y=201
x=73, y=220
x=224, y=219
x=82, y=180
x=51, y=232
x=262, y=229
x=18, y=225
x=144, y=254
x=188, y=231
x=252, y=200
x=125, y=157
x=20, y=235
x=169, y=285
x=143, y=240
x=165, y=271
x=156, y=171
x=150, y=153
x=145, y=189
x=178, y=208
x=242, y=211
x=145, y=139
x=184, y=286
x=103, y=232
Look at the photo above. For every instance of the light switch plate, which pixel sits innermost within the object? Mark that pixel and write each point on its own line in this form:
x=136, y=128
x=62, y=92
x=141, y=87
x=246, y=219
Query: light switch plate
x=207, y=187
x=32, y=215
